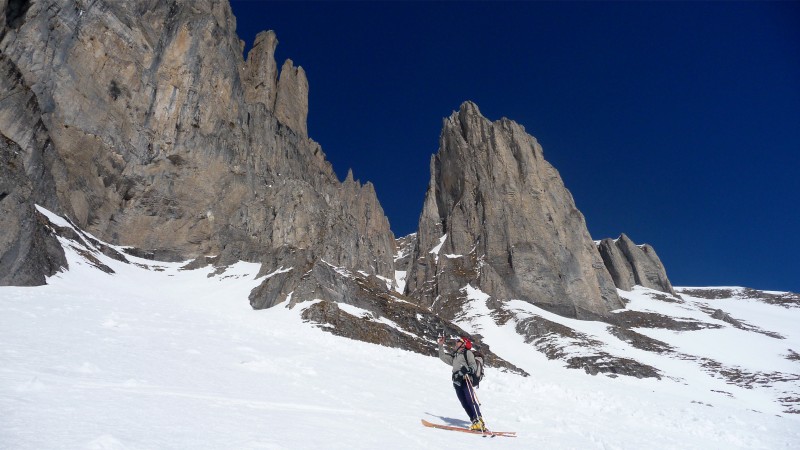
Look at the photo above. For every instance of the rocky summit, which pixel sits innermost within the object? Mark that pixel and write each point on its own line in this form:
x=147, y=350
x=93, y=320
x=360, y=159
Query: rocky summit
x=631, y=265
x=498, y=217
x=143, y=124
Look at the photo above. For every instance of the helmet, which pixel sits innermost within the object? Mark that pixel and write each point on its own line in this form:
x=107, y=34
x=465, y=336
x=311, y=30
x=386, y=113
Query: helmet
x=466, y=341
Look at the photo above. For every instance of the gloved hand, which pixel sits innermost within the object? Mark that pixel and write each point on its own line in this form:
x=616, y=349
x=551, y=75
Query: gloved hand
x=465, y=370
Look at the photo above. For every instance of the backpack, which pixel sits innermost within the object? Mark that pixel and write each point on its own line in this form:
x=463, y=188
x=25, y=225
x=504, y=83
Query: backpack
x=479, y=372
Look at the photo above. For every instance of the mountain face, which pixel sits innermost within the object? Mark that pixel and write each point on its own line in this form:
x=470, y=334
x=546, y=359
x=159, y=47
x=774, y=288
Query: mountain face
x=142, y=122
x=144, y=125
x=134, y=131
x=29, y=252
x=498, y=217
x=631, y=265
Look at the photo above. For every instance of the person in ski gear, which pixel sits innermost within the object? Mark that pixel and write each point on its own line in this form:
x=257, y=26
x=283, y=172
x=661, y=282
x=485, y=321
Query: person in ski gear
x=463, y=363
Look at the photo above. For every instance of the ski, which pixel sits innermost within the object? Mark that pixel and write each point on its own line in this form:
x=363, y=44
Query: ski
x=467, y=430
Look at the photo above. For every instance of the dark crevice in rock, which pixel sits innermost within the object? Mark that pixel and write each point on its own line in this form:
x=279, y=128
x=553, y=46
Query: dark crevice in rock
x=15, y=12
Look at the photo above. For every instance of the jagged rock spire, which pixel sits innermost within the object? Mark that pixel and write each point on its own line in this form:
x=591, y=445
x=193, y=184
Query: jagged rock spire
x=631, y=265
x=261, y=72
x=285, y=95
x=291, y=102
x=502, y=221
x=159, y=135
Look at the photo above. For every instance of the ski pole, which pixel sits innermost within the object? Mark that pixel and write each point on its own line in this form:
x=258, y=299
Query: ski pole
x=472, y=390
x=474, y=401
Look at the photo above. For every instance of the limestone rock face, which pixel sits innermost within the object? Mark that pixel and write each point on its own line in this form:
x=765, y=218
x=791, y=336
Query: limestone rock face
x=286, y=96
x=498, y=217
x=120, y=87
x=291, y=103
x=142, y=123
x=617, y=264
x=405, y=249
x=631, y=265
x=261, y=71
x=29, y=251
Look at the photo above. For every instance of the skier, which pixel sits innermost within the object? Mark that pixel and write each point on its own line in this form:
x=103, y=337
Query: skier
x=463, y=363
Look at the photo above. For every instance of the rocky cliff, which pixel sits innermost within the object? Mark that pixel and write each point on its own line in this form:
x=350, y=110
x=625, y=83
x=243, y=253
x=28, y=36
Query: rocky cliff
x=498, y=217
x=28, y=251
x=144, y=125
x=142, y=122
x=631, y=265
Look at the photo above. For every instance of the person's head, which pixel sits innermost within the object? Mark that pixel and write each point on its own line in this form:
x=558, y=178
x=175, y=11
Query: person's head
x=463, y=343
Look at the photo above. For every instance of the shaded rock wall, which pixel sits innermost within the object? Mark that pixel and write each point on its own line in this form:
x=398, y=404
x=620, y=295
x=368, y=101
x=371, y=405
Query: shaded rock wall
x=29, y=251
x=631, y=265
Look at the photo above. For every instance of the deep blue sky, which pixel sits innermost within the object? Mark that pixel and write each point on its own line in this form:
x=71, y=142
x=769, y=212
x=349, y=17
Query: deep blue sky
x=675, y=123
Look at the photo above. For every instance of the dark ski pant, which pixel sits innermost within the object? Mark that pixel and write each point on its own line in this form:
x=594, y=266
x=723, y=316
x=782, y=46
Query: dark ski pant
x=467, y=401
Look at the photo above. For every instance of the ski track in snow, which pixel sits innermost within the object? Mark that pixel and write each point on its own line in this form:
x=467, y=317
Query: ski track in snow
x=176, y=359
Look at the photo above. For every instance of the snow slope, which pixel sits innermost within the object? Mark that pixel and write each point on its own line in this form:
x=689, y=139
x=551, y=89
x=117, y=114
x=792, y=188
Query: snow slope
x=154, y=357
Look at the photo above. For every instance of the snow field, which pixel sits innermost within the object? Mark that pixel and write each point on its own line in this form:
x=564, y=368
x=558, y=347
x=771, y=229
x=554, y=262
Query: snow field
x=146, y=359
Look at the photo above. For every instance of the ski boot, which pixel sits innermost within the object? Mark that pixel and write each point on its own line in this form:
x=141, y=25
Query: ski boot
x=478, y=425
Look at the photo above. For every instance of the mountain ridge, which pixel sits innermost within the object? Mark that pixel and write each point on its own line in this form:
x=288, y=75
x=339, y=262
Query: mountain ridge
x=154, y=132
x=116, y=137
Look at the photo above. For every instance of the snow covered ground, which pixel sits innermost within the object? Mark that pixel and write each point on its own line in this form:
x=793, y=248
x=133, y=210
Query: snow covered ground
x=153, y=357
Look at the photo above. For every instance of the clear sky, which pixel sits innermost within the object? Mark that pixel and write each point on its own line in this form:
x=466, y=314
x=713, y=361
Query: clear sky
x=675, y=123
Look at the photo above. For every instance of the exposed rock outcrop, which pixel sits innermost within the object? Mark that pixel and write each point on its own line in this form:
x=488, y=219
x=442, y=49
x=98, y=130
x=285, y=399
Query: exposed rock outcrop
x=497, y=216
x=291, y=103
x=631, y=265
x=122, y=88
x=617, y=264
x=286, y=96
x=551, y=339
x=377, y=316
x=142, y=123
x=785, y=299
x=261, y=71
x=405, y=250
x=28, y=250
